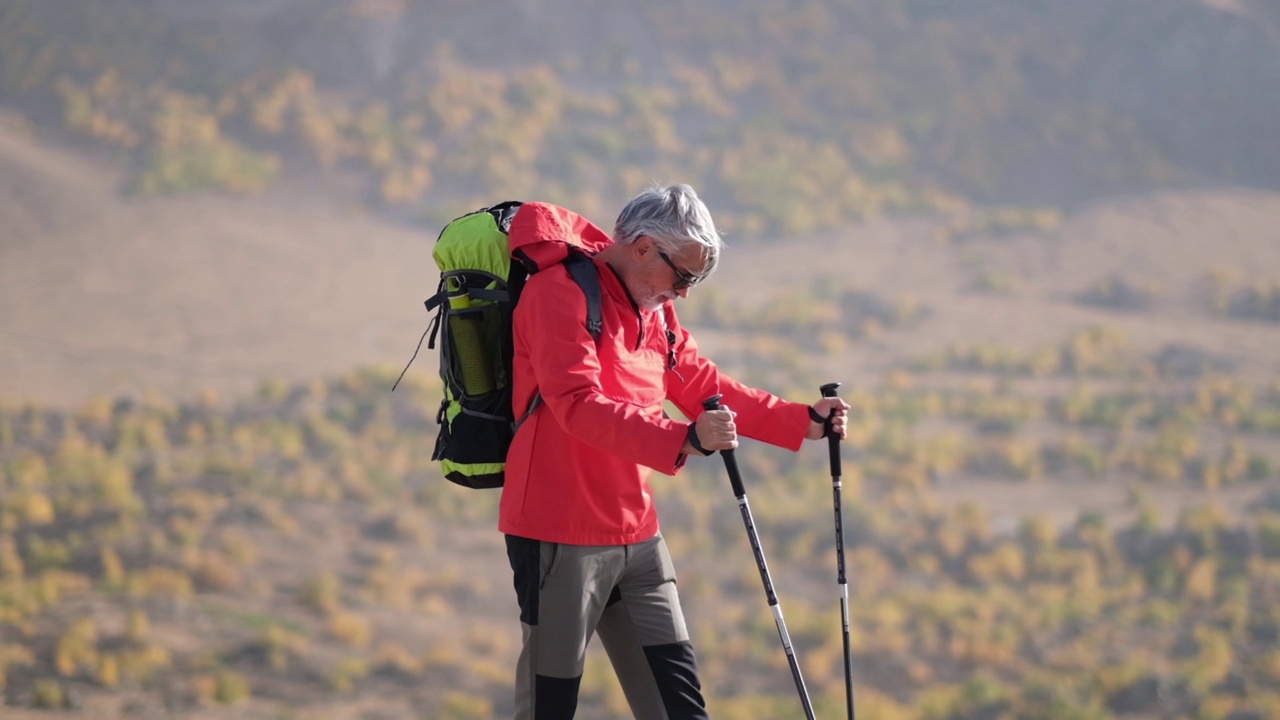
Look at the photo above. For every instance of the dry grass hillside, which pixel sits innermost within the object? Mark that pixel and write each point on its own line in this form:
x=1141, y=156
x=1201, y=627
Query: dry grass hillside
x=1167, y=241
x=108, y=295
x=104, y=295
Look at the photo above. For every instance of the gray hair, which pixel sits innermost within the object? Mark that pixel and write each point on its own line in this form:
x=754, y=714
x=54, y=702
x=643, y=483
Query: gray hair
x=673, y=216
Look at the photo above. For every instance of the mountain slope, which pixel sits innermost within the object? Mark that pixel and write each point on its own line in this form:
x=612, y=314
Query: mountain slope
x=107, y=295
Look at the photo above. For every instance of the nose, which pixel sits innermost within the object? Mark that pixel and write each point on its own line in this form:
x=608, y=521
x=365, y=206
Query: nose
x=683, y=292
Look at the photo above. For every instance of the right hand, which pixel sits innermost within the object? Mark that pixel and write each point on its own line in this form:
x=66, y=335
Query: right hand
x=716, y=430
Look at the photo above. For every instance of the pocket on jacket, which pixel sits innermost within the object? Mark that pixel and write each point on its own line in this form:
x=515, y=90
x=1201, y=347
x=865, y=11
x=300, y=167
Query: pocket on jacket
x=639, y=381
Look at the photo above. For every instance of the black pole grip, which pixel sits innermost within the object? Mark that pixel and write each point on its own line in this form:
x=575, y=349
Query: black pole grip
x=833, y=440
x=730, y=461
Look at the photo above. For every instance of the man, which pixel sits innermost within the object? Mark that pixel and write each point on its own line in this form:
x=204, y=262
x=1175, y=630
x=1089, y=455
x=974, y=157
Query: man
x=581, y=529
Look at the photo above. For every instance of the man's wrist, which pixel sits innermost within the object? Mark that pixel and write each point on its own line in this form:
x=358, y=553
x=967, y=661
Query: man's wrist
x=692, y=437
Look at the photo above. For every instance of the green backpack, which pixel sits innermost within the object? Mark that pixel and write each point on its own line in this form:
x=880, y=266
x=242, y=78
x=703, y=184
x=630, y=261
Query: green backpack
x=481, y=277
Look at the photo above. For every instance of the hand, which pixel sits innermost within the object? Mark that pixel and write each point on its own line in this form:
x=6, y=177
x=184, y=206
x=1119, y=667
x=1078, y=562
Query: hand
x=823, y=408
x=716, y=431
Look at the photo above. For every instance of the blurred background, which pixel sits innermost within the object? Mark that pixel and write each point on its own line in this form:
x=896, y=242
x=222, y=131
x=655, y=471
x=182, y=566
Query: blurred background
x=1038, y=243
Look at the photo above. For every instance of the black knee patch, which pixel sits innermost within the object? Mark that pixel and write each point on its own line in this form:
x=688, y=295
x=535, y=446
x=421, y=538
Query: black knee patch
x=555, y=698
x=676, y=670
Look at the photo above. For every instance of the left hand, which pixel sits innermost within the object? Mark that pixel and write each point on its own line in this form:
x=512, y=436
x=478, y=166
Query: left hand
x=824, y=407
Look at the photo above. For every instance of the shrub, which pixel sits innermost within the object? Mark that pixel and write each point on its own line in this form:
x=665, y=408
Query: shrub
x=458, y=705
x=350, y=628
x=1115, y=292
x=48, y=694
x=214, y=572
x=348, y=671
x=230, y=687
x=12, y=655
x=322, y=593
x=280, y=645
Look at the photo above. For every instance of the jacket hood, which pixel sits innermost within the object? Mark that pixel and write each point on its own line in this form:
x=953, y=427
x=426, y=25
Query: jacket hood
x=543, y=234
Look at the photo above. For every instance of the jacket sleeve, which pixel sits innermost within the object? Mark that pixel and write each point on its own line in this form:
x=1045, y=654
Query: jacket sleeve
x=760, y=415
x=566, y=367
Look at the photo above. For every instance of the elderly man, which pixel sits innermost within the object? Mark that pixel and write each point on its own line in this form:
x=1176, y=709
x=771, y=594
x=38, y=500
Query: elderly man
x=581, y=528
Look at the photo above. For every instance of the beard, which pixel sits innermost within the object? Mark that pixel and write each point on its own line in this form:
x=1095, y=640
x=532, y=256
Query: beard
x=654, y=300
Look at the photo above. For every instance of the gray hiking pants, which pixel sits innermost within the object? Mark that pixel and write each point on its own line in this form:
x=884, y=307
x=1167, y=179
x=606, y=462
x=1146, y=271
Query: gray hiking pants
x=626, y=594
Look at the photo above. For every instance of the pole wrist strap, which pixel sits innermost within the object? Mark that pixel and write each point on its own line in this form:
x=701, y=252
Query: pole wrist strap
x=693, y=440
x=815, y=416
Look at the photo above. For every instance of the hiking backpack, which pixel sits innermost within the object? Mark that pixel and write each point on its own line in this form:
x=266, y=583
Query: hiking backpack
x=481, y=277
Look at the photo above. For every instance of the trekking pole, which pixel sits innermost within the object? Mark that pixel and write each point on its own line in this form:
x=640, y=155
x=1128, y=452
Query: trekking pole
x=740, y=492
x=833, y=448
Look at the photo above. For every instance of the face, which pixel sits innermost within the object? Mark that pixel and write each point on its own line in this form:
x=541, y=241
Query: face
x=664, y=276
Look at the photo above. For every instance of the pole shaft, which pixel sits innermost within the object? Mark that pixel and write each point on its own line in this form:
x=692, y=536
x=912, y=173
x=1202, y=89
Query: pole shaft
x=740, y=492
x=833, y=453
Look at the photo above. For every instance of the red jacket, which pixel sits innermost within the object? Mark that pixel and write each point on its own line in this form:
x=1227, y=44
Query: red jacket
x=577, y=469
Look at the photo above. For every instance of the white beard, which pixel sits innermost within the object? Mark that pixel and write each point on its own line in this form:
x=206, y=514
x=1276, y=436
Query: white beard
x=655, y=304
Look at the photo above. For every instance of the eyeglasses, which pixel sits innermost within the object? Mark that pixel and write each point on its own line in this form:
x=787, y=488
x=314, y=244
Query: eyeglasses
x=683, y=279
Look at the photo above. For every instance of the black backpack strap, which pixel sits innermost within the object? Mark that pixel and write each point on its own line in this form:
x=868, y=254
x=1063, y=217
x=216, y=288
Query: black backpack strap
x=479, y=293
x=583, y=271
x=533, y=405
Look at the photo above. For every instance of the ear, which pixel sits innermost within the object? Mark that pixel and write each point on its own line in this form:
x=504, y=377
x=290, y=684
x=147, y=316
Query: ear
x=643, y=246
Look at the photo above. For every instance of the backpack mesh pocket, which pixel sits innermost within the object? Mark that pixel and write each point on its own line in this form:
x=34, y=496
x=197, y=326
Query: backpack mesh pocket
x=474, y=350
